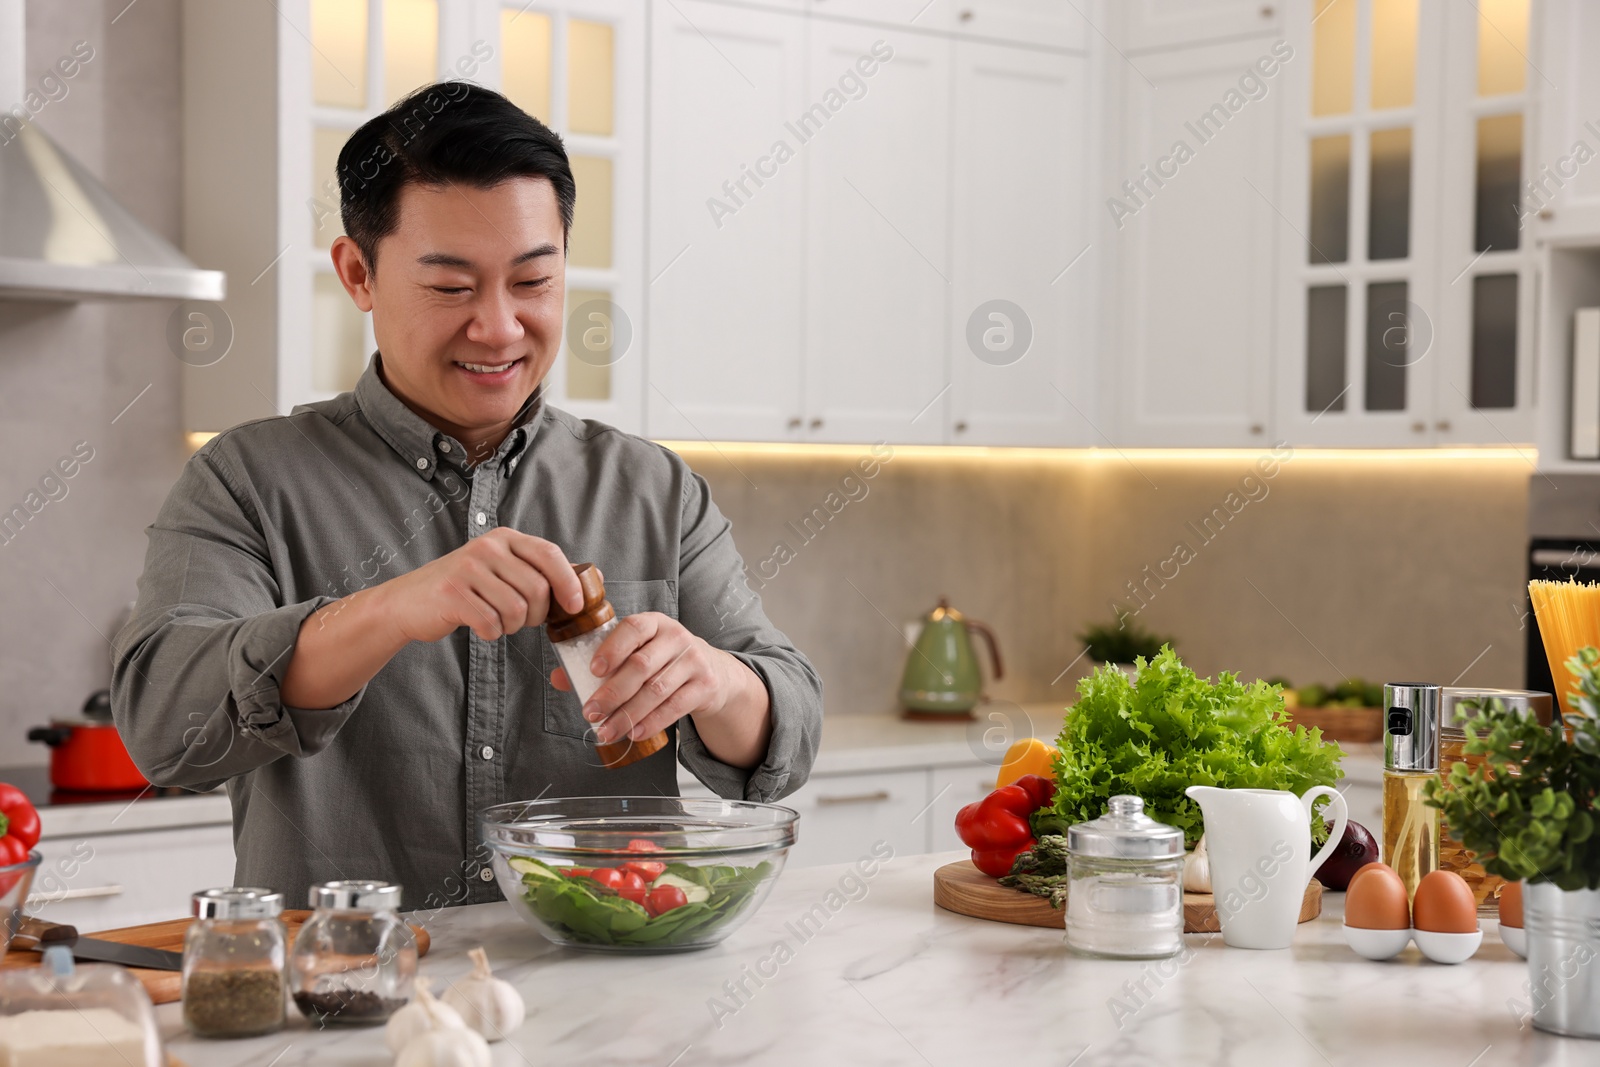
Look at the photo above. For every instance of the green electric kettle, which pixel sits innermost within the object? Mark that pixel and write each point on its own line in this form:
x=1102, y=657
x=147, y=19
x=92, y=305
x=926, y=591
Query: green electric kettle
x=942, y=676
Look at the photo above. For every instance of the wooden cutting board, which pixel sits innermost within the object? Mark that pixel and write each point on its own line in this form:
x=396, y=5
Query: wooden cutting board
x=962, y=888
x=164, y=987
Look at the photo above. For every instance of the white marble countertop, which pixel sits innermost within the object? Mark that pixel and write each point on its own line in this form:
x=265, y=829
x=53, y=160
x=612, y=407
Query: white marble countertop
x=892, y=979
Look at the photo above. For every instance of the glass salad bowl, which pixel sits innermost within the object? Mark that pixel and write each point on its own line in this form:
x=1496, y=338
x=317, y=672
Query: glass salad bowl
x=637, y=874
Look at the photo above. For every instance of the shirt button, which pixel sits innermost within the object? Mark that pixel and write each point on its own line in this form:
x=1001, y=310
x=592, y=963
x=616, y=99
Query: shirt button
x=483, y=520
x=444, y=446
x=487, y=752
x=486, y=875
x=422, y=464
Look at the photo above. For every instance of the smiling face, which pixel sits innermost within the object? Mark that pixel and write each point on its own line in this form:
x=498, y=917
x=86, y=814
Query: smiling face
x=466, y=302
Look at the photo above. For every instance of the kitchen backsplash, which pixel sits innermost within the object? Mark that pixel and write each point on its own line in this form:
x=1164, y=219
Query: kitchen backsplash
x=1311, y=565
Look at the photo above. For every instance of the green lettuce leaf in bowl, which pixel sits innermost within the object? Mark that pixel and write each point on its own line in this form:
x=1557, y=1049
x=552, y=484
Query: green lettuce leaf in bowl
x=1170, y=729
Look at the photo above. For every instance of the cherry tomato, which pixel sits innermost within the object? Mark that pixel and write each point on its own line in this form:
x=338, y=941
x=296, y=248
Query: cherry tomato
x=632, y=887
x=641, y=844
x=649, y=870
x=576, y=872
x=664, y=898
x=609, y=877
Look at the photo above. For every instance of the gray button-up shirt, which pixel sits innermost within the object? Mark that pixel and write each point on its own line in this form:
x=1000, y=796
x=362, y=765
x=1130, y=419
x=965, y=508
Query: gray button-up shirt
x=274, y=519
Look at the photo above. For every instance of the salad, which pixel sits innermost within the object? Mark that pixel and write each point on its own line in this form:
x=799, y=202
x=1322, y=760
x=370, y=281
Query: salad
x=644, y=901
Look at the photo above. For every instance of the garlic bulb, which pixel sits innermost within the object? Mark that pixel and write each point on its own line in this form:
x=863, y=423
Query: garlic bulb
x=487, y=1004
x=423, y=1014
x=445, y=1048
x=1197, y=869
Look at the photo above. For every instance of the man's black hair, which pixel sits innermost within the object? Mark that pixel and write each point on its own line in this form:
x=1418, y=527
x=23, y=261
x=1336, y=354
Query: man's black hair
x=443, y=133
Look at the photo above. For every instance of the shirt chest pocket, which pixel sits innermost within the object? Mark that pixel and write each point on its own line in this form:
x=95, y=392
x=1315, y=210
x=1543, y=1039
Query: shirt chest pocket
x=563, y=713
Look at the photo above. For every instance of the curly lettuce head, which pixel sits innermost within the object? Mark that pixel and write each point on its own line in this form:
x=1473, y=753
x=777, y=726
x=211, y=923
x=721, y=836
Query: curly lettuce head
x=1171, y=729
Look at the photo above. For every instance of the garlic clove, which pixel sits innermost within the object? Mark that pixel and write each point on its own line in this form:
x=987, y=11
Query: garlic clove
x=1197, y=869
x=445, y=1048
x=488, y=1005
x=424, y=1014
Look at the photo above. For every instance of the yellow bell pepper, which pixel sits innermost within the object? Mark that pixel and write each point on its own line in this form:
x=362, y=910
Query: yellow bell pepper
x=1028, y=756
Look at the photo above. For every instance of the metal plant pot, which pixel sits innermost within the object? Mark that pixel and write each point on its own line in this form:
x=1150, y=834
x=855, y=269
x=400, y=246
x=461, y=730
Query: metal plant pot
x=1563, y=930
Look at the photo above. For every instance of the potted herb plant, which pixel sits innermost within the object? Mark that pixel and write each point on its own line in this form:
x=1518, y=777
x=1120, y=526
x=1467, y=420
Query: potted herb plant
x=1121, y=643
x=1529, y=813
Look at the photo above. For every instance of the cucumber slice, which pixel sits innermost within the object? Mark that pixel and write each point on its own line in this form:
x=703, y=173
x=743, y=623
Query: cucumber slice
x=693, y=892
x=531, y=868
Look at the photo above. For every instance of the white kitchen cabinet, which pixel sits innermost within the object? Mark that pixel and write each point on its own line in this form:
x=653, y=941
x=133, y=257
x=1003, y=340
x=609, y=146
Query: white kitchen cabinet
x=106, y=881
x=1194, y=225
x=1565, y=203
x=1034, y=23
x=912, y=807
x=887, y=178
x=1151, y=24
x=842, y=816
x=877, y=236
x=951, y=789
x=1023, y=275
x=727, y=223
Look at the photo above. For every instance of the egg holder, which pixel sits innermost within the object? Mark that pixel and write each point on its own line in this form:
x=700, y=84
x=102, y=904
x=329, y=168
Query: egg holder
x=1438, y=947
x=1515, y=938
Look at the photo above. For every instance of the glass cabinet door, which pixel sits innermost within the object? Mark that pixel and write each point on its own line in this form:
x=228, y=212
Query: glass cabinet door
x=1406, y=317
x=364, y=55
x=1487, y=397
x=562, y=63
x=1365, y=335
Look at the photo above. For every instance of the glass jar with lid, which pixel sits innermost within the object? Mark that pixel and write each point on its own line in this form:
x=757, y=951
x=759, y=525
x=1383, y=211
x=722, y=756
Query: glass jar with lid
x=1460, y=706
x=63, y=1013
x=233, y=963
x=1125, y=884
x=355, y=959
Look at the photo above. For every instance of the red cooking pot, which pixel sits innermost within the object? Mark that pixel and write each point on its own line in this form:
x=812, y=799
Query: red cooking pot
x=87, y=755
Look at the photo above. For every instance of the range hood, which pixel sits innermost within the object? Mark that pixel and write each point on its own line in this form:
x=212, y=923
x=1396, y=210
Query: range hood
x=62, y=235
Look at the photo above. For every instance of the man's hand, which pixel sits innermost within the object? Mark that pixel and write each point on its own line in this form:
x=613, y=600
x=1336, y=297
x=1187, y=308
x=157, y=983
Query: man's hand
x=656, y=672
x=496, y=584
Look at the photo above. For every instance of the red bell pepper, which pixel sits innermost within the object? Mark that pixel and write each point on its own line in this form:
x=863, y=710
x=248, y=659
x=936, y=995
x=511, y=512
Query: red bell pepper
x=996, y=827
x=19, y=825
x=19, y=832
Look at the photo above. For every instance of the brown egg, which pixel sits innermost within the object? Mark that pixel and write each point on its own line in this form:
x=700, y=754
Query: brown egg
x=1376, y=899
x=1366, y=868
x=1511, y=905
x=1444, y=904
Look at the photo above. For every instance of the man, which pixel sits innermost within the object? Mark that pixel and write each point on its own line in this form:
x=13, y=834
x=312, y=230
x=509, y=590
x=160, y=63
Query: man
x=340, y=614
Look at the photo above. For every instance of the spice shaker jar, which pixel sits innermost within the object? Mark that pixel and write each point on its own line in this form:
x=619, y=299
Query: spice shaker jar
x=354, y=960
x=577, y=637
x=1460, y=706
x=1125, y=885
x=233, y=963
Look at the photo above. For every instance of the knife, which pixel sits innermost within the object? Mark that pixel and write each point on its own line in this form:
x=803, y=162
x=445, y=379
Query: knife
x=38, y=935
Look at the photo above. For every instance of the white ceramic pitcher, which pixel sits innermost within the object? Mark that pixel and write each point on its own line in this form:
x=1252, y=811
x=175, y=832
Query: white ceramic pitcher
x=1259, y=845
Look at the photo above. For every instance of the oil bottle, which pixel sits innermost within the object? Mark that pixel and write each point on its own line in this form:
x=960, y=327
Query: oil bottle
x=1410, y=762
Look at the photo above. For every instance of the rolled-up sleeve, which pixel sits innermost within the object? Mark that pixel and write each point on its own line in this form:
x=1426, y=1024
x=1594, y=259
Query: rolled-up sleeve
x=196, y=672
x=716, y=603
